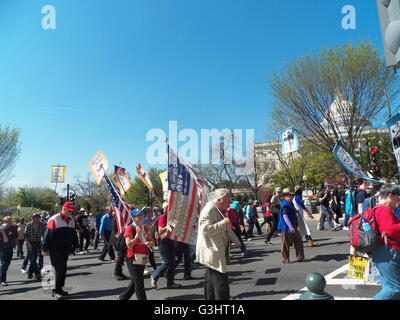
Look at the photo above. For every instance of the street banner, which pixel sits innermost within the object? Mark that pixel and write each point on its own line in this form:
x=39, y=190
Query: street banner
x=98, y=165
x=358, y=268
x=121, y=180
x=144, y=177
x=164, y=180
x=289, y=140
x=351, y=165
x=186, y=199
x=393, y=125
x=57, y=174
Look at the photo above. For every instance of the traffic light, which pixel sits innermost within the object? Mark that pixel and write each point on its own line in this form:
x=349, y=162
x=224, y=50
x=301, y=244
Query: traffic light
x=389, y=18
x=72, y=197
x=62, y=201
x=375, y=165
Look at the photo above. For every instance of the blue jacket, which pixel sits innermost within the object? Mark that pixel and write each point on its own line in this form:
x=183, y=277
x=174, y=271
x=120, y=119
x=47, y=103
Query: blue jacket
x=291, y=212
x=98, y=218
x=106, y=223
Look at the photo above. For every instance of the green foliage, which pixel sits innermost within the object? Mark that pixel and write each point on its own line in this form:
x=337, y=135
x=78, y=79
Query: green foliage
x=138, y=194
x=42, y=198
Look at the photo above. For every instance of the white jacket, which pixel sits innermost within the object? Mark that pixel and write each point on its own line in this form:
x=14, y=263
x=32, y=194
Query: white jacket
x=213, y=239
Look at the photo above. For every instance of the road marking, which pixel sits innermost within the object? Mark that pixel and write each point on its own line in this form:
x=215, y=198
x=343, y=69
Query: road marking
x=330, y=281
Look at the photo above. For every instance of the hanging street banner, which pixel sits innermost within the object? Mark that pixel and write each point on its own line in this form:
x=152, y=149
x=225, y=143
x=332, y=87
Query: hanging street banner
x=57, y=174
x=144, y=177
x=351, y=165
x=289, y=140
x=121, y=180
x=98, y=165
x=393, y=125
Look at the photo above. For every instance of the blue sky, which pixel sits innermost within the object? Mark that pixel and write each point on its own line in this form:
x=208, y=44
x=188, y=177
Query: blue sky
x=113, y=70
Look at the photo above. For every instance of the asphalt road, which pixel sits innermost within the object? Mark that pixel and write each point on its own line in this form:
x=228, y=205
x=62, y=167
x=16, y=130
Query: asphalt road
x=261, y=276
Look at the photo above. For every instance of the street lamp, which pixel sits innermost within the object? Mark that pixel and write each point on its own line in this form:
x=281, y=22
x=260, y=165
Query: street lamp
x=18, y=209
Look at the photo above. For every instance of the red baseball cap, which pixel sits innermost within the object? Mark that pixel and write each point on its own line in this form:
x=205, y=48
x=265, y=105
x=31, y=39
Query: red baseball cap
x=69, y=206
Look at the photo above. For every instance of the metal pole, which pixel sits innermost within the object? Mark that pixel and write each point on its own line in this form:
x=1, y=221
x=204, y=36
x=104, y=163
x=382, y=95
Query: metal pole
x=68, y=192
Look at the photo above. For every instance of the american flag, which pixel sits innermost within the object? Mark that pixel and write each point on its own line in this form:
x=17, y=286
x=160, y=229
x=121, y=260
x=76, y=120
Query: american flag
x=121, y=208
x=186, y=200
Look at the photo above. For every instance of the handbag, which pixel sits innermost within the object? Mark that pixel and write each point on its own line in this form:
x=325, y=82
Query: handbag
x=140, y=258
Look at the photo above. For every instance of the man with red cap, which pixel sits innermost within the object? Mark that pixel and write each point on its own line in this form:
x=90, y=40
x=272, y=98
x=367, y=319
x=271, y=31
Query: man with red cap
x=60, y=239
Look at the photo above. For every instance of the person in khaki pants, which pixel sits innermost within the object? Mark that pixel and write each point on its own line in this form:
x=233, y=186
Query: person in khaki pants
x=288, y=225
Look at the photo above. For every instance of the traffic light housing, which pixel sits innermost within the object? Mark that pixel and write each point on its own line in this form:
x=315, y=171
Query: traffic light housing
x=62, y=201
x=72, y=197
x=375, y=162
x=389, y=18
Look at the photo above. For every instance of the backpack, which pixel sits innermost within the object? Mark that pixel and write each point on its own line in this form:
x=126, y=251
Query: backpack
x=364, y=241
x=350, y=204
x=368, y=203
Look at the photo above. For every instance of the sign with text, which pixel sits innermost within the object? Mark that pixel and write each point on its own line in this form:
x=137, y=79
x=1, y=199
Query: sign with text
x=98, y=165
x=357, y=268
x=122, y=181
x=57, y=174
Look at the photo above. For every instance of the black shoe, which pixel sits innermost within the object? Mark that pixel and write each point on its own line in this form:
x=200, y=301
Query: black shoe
x=38, y=277
x=120, y=277
x=102, y=259
x=174, y=286
x=188, y=278
x=57, y=295
x=122, y=298
x=30, y=276
x=64, y=293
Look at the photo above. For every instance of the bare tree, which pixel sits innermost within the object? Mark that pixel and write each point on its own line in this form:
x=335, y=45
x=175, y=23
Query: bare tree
x=9, y=151
x=335, y=93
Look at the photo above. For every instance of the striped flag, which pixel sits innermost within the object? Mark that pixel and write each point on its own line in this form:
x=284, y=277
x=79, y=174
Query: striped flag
x=186, y=200
x=121, y=208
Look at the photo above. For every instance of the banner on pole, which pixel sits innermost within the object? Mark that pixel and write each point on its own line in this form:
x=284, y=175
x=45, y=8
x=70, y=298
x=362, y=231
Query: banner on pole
x=351, y=165
x=121, y=180
x=289, y=140
x=98, y=165
x=57, y=174
x=393, y=125
x=144, y=177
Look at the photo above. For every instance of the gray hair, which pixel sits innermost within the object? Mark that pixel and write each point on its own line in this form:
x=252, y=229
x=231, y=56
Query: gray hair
x=388, y=189
x=218, y=194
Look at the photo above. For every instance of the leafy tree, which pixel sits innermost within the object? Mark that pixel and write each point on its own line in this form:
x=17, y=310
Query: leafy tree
x=9, y=150
x=351, y=76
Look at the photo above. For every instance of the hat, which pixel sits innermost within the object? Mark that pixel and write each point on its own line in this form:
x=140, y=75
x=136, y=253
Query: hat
x=69, y=206
x=35, y=215
x=255, y=201
x=82, y=209
x=235, y=205
x=287, y=191
x=278, y=189
x=136, y=212
x=250, y=201
x=147, y=220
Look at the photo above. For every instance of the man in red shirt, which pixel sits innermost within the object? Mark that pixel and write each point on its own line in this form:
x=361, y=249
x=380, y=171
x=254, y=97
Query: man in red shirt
x=387, y=257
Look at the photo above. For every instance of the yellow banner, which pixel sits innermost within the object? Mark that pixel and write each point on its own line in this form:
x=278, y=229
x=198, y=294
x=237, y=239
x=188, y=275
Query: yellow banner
x=164, y=180
x=145, y=178
x=357, y=268
x=57, y=174
x=98, y=165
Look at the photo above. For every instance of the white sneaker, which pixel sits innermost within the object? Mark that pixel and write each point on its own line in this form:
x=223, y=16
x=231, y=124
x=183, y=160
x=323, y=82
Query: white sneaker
x=23, y=270
x=318, y=228
x=147, y=272
x=153, y=283
x=345, y=228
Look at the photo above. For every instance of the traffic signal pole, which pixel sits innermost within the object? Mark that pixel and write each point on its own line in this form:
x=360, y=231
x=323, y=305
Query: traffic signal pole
x=67, y=191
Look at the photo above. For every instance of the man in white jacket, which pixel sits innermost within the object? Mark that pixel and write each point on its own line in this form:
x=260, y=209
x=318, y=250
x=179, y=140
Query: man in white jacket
x=213, y=245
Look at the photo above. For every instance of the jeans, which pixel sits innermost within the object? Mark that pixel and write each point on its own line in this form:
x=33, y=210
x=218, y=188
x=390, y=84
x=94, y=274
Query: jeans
x=183, y=251
x=108, y=248
x=274, y=225
x=253, y=221
x=325, y=215
x=33, y=268
x=167, y=252
x=5, y=260
x=137, y=282
x=84, y=236
x=346, y=220
x=238, y=232
x=387, y=261
x=28, y=259
x=96, y=240
x=20, y=248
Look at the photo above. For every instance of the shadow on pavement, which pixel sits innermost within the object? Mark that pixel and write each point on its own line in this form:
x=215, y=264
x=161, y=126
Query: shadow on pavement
x=261, y=293
x=266, y=281
x=78, y=274
x=273, y=270
x=333, y=243
x=96, y=294
x=19, y=290
x=186, y=297
x=85, y=266
x=329, y=257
